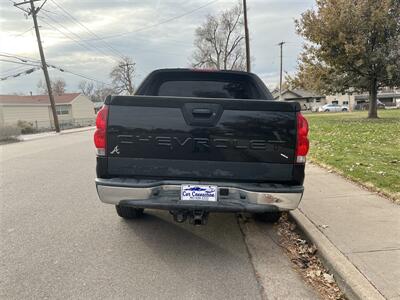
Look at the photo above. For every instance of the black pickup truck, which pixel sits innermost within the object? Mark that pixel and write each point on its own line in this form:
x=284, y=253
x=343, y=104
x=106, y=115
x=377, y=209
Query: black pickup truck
x=196, y=141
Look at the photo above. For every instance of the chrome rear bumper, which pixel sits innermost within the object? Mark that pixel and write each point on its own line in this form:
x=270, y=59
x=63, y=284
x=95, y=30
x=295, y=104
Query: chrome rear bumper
x=233, y=197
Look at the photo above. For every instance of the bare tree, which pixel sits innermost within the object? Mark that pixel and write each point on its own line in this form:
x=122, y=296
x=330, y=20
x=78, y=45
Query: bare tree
x=101, y=91
x=122, y=76
x=57, y=85
x=96, y=93
x=86, y=88
x=219, y=42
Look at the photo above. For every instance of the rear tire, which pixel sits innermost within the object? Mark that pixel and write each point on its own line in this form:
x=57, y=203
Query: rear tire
x=129, y=213
x=344, y=109
x=268, y=217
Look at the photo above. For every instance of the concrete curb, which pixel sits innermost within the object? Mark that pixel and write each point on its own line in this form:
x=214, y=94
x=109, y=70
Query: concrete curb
x=69, y=131
x=352, y=282
x=38, y=136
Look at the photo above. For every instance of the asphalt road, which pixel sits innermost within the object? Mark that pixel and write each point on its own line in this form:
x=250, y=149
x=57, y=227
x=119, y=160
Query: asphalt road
x=58, y=241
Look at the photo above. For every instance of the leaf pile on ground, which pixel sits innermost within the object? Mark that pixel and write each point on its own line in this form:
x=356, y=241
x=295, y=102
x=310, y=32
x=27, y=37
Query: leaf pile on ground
x=366, y=151
x=303, y=255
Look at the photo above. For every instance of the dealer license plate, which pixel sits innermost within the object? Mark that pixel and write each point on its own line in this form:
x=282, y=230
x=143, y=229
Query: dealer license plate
x=199, y=192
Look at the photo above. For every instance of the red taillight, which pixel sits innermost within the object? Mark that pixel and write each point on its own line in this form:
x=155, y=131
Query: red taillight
x=100, y=140
x=303, y=144
x=101, y=120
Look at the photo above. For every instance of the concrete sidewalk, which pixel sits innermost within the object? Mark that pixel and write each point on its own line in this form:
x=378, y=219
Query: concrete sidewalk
x=35, y=136
x=363, y=226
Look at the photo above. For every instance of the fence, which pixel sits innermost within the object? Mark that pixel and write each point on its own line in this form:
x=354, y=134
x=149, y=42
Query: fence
x=28, y=127
x=74, y=123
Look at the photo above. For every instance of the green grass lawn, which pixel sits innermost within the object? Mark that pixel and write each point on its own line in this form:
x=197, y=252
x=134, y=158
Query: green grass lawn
x=367, y=151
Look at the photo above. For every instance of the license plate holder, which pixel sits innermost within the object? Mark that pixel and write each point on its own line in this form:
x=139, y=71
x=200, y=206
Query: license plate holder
x=196, y=192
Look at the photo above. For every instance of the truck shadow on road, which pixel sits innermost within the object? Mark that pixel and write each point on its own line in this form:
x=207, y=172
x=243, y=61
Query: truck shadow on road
x=206, y=260
x=181, y=245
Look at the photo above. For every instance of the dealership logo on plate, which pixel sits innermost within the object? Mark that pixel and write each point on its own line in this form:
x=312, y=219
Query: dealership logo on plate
x=199, y=193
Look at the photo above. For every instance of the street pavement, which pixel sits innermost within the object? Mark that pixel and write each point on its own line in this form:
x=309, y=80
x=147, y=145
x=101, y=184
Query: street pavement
x=58, y=241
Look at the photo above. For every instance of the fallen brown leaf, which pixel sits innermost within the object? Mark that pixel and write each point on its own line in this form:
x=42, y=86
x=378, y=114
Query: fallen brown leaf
x=303, y=255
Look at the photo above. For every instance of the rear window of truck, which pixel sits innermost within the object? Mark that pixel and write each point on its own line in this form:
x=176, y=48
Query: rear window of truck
x=201, y=84
x=207, y=89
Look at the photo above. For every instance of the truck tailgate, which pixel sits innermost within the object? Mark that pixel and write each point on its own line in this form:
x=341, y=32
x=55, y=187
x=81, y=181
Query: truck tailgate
x=201, y=138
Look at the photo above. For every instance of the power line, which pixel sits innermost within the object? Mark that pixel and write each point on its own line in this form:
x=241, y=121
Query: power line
x=87, y=47
x=78, y=39
x=5, y=72
x=26, y=72
x=15, y=5
x=68, y=37
x=87, y=29
x=17, y=62
x=61, y=69
x=19, y=57
x=156, y=24
x=40, y=7
x=98, y=38
x=50, y=12
x=22, y=33
x=86, y=77
x=77, y=74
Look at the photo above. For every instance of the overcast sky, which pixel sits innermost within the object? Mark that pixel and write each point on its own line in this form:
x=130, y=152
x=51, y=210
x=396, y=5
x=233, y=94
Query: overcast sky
x=129, y=26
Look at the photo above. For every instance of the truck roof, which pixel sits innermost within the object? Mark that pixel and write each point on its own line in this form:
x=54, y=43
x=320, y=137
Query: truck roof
x=215, y=75
x=203, y=70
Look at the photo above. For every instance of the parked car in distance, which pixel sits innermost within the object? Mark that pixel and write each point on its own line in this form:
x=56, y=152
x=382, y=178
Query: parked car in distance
x=381, y=105
x=332, y=107
x=365, y=105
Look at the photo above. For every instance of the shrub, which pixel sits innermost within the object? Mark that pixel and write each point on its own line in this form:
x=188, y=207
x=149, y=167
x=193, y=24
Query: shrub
x=26, y=127
x=8, y=133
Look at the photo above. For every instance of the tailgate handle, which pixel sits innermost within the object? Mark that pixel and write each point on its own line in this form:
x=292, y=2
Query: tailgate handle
x=202, y=112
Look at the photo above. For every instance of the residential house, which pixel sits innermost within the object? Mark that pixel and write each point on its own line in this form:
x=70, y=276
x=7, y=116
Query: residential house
x=360, y=101
x=388, y=98
x=342, y=99
x=308, y=100
x=73, y=110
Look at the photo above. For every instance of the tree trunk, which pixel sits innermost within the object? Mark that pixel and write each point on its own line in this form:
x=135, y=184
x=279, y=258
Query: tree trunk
x=373, y=102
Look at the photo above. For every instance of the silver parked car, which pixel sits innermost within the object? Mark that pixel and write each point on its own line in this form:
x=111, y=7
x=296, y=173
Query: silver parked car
x=333, y=107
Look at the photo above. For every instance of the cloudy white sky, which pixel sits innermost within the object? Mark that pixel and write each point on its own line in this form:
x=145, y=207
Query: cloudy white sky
x=129, y=26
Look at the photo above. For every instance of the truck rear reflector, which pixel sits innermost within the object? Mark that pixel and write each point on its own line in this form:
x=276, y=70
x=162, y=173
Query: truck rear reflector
x=302, y=145
x=100, y=137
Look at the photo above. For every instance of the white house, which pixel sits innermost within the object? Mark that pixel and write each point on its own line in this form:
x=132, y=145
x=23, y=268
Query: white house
x=307, y=100
x=73, y=109
x=342, y=99
x=389, y=98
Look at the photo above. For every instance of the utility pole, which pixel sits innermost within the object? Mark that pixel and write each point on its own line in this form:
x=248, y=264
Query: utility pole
x=281, y=70
x=33, y=11
x=246, y=32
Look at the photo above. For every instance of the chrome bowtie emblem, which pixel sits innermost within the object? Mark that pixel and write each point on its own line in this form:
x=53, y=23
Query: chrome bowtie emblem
x=115, y=151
